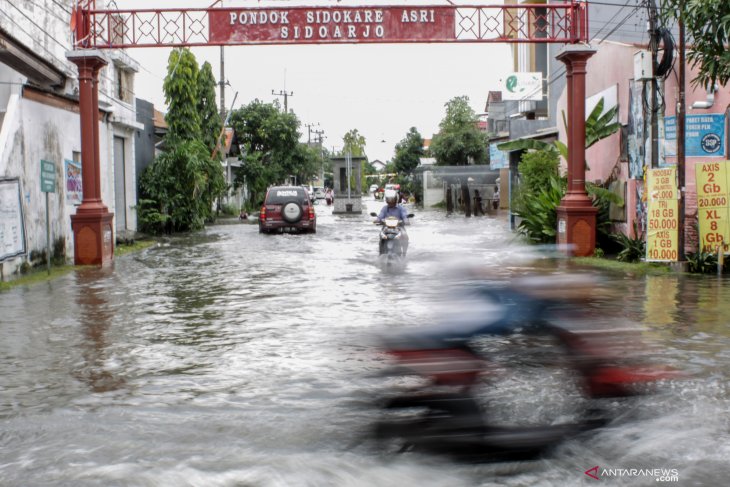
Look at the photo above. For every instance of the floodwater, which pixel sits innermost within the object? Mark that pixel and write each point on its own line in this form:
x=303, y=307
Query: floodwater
x=229, y=358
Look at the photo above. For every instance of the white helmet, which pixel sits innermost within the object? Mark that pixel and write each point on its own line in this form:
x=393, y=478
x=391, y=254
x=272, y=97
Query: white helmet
x=391, y=196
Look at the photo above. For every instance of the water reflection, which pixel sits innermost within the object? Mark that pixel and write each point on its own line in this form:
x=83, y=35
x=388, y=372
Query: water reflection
x=96, y=318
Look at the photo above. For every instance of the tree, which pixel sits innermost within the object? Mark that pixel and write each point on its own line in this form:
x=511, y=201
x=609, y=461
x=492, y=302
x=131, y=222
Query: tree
x=459, y=141
x=272, y=151
x=707, y=23
x=181, y=95
x=408, y=152
x=354, y=143
x=211, y=124
x=179, y=188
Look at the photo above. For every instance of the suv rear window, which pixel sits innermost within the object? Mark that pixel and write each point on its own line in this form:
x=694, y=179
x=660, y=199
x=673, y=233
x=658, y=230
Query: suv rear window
x=279, y=196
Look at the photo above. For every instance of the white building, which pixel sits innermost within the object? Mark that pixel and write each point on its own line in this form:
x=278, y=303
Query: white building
x=39, y=121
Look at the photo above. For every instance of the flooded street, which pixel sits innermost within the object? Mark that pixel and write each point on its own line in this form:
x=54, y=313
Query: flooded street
x=230, y=358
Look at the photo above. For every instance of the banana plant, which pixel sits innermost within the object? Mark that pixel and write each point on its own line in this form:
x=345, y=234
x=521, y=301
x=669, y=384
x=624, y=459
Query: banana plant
x=599, y=125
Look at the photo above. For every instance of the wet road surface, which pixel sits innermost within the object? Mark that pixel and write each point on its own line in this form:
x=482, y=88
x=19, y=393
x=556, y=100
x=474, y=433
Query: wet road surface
x=229, y=358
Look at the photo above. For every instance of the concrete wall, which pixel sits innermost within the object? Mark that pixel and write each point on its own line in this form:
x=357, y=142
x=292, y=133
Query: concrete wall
x=613, y=65
x=33, y=131
x=43, y=124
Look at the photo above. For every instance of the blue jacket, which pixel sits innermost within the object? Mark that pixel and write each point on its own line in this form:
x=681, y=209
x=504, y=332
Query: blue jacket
x=398, y=211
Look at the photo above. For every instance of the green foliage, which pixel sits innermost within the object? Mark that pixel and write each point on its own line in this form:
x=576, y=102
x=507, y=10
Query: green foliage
x=353, y=143
x=602, y=199
x=537, y=169
x=538, y=211
x=210, y=120
x=707, y=24
x=181, y=95
x=408, y=152
x=702, y=262
x=459, y=141
x=272, y=151
x=599, y=125
x=633, y=249
x=178, y=190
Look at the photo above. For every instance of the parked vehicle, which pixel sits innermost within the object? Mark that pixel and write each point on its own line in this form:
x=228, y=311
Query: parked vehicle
x=318, y=192
x=440, y=408
x=287, y=209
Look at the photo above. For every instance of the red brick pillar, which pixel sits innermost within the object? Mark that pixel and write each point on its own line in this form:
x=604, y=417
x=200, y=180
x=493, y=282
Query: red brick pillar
x=92, y=223
x=576, y=213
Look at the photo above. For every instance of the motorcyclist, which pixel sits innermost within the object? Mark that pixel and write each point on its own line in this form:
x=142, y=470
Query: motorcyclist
x=393, y=209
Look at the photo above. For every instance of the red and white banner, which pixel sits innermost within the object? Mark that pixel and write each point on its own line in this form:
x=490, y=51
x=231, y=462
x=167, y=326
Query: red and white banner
x=331, y=25
x=534, y=23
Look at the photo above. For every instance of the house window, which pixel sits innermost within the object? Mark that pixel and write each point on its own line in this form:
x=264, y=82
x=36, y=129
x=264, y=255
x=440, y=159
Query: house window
x=123, y=89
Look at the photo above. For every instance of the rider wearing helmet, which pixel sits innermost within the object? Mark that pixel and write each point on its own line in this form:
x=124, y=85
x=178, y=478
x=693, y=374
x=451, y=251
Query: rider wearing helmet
x=394, y=209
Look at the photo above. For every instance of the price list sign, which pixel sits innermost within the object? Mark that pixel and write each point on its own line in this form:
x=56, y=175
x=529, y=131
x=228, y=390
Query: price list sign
x=663, y=208
x=713, y=208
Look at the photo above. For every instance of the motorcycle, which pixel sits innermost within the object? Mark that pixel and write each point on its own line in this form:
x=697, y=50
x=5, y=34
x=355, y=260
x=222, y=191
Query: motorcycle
x=393, y=240
x=445, y=412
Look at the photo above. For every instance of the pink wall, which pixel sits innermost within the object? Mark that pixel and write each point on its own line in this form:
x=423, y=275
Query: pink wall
x=613, y=65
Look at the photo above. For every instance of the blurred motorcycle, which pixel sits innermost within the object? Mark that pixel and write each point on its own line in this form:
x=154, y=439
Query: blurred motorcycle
x=442, y=373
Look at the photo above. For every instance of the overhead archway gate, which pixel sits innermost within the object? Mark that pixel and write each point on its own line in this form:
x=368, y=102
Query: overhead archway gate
x=97, y=29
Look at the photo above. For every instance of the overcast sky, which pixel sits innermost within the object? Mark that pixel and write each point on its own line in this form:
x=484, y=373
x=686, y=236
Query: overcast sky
x=380, y=89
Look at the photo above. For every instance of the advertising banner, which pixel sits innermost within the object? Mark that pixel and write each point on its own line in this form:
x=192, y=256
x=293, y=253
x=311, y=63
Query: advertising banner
x=713, y=209
x=662, y=238
x=704, y=135
x=74, y=188
x=522, y=86
x=497, y=159
x=12, y=235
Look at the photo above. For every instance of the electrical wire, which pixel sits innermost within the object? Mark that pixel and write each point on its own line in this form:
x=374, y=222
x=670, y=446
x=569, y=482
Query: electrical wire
x=618, y=11
x=49, y=11
x=33, y=22
x=628, y=16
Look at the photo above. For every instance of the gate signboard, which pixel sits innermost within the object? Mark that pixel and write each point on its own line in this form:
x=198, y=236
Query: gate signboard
x=543, y=23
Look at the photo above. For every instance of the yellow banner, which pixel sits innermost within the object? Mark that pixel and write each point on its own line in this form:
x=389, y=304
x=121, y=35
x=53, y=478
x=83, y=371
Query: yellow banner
x=713, y=205
x=662, y=238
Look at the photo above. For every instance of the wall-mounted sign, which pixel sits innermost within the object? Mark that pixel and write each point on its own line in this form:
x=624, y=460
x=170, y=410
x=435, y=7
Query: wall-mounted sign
x=713, y=205
x=522, y=86
x=12, y=235
x=48, y=177
x=662, y=222
x=704, y=135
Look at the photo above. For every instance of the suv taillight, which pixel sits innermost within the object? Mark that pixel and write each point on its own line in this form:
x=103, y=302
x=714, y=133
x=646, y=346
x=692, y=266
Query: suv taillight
x=262, y=214
x=311, y=211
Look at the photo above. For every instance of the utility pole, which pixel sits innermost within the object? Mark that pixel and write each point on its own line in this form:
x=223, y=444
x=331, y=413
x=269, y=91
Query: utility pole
x=680, y=134
x=309, y=128
x=318, y=138
x=654, y=46
x=286, y=95
x=222, y=84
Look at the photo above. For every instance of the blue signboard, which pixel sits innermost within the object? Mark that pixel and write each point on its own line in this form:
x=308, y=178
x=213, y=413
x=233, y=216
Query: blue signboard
x=497, y=159
x=704, y=135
